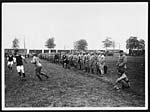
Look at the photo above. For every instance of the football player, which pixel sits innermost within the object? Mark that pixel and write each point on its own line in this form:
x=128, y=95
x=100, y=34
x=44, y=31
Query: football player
x=38, y=67
x=10, y=60
x=19, y=64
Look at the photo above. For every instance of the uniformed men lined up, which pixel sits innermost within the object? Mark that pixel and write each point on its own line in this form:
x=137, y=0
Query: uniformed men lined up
x=89, y=62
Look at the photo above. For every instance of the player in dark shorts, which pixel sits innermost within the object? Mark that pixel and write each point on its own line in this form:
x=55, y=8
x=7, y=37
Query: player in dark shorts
x=19, y=64
x=10, y=60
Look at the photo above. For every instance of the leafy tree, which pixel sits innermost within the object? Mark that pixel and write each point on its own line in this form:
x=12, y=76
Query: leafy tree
x=50, y=43
x=81, y=45
x=107, y=42
x=132, y=43
x=141, y=44
x=15, y=43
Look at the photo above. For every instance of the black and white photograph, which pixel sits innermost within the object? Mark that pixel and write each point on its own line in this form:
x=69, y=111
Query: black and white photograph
x=74, y=56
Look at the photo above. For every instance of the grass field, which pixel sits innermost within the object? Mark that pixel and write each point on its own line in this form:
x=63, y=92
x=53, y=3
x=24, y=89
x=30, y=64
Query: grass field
x=74, y=88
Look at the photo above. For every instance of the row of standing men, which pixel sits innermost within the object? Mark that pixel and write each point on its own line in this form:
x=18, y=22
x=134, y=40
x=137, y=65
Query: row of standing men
x=88, y=62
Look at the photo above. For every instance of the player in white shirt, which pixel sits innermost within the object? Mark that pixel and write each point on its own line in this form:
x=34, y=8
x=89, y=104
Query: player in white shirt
x=38, y=67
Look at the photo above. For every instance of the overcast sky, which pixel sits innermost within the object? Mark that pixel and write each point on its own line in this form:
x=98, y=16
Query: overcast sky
x=68, y=22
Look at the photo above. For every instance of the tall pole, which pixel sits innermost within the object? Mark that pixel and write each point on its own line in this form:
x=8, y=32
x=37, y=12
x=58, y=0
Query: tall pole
x=113, y=44
x=24, y=45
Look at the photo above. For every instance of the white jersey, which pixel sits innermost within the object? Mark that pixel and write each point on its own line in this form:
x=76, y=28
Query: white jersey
x=102, y=59
x=36, y=61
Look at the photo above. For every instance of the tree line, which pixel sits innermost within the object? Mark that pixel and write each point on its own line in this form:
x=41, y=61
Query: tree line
x=82, y=45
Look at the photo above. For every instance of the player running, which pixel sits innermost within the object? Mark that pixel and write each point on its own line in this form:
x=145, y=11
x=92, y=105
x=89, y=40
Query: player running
x=10, y=60
x=19, y=64
x=38, y=67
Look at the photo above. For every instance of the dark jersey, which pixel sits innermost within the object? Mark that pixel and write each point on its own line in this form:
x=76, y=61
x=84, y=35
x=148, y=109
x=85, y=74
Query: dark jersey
x=19, y=60
x=10, y=58
x=65, y=60
x=56, y=57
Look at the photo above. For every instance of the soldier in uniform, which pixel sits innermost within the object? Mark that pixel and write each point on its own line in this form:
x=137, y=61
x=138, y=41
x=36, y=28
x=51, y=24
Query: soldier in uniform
x=92, y=62
x=88, y=57
x=80, y=60
x=56, y=58
x=95, y=61
x=122, y=61
x=70, y=59
x=75, y=60
x=83, y=61
x=86, y=62
x=102, y=63
x=98, y=64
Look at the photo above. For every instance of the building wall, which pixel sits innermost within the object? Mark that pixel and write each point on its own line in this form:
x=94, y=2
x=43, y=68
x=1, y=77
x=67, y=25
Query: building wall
x=37, y=51
x=22, y=51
